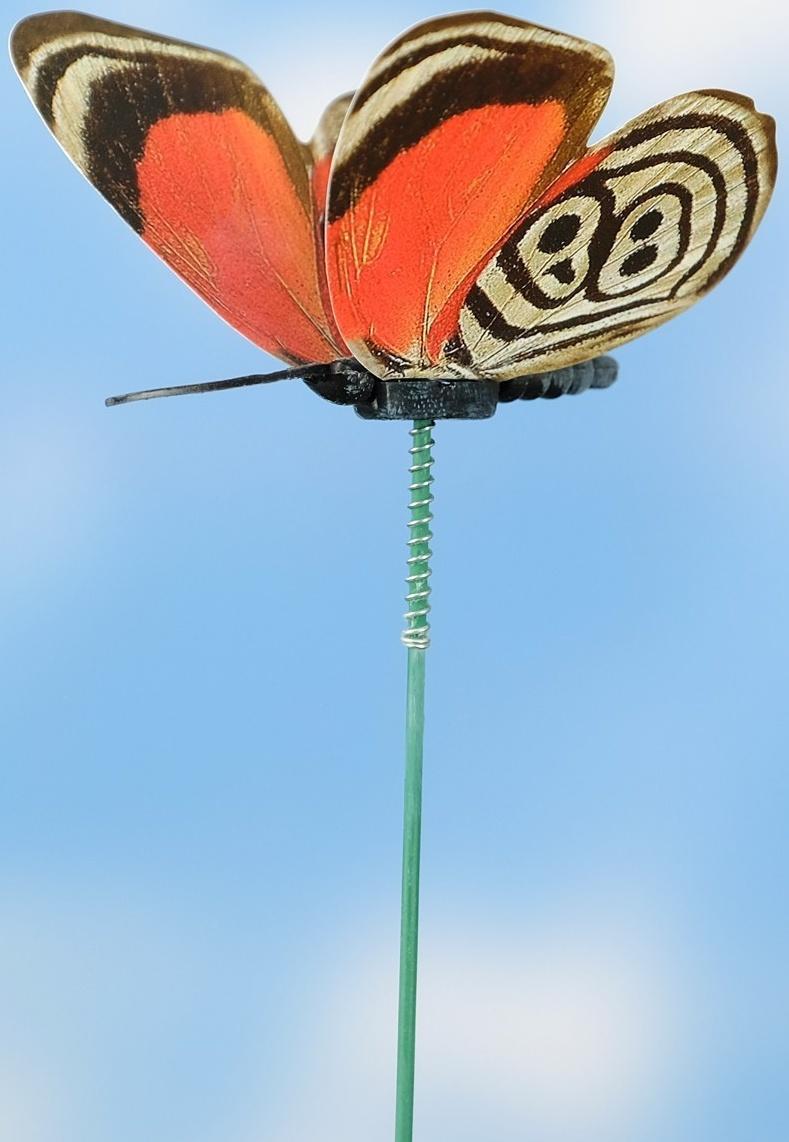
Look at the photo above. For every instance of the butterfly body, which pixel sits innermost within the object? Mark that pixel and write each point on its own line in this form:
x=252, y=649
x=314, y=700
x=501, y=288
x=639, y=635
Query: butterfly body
x=349, y=383
x=447, y=222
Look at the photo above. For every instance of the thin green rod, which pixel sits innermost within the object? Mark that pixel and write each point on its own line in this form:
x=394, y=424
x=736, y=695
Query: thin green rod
x=416, y=637
x=409, y=918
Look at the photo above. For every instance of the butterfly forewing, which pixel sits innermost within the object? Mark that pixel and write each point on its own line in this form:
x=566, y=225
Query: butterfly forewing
x=641, y=228
x=191, y=149
x=458, y=126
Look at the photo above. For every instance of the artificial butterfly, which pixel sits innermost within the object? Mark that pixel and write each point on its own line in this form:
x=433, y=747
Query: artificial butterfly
x=446, y=221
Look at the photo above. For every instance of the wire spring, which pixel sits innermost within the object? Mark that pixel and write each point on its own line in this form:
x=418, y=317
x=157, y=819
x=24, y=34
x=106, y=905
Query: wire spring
x=416, y=636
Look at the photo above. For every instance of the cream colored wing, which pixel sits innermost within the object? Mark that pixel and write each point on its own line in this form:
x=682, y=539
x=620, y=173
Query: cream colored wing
x=635, y=232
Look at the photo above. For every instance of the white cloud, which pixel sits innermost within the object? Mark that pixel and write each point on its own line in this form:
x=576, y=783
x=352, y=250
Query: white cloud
x=30, y=1102
x=685, y=44
x=308, y=71
x=561, y=1034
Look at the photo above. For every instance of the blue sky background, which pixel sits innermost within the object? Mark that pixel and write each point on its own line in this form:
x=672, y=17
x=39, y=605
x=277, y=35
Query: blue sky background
x=201, y=687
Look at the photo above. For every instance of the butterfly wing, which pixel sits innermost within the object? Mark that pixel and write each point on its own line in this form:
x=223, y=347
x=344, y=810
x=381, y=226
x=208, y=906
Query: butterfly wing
x=194, y=153
x=459, y=124
x=322, y=146
x=640, y=228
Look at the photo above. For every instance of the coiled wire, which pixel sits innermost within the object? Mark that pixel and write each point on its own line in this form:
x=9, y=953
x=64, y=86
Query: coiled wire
x=417, y=632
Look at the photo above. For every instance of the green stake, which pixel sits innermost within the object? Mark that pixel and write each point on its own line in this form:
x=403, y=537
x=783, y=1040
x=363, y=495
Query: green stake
x=416, y=637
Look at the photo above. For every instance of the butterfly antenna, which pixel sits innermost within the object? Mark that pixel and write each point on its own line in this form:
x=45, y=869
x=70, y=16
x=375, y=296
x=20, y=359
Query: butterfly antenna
x=299, y=372
x=416, y=638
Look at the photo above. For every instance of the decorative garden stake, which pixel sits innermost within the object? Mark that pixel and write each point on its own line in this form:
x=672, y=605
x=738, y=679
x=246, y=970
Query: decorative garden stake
x=445, y=242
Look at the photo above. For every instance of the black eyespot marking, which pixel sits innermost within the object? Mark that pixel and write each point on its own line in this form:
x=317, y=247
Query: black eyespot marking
x=637, y=261
x=563, y=271
x=646, y=225
x=559, y=233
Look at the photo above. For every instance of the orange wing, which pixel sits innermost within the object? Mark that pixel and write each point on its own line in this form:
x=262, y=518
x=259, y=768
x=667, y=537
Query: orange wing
x=459, y=125
x=194, y=153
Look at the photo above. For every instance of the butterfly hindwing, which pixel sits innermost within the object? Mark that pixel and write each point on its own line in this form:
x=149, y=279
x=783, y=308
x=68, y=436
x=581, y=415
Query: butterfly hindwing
x=638, y=230
x=322, y=145
x=194, y=153
x=459, y=124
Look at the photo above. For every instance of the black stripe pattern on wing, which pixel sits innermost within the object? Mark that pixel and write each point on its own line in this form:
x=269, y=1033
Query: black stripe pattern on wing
x=569, y=251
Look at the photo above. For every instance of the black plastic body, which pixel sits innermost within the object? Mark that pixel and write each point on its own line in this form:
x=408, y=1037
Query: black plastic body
x=346, y=382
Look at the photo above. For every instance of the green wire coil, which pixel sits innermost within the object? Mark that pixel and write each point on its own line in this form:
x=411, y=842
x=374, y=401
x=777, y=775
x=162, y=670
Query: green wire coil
x=416, y=635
